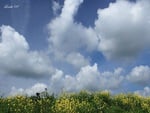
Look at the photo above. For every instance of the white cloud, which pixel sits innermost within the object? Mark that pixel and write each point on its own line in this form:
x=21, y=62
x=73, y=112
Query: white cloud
x=124, y=29
x=144, y=92
x=112, y=80
x=16, y=58
x=121, y=31
x=36, y=88
x=56, y=7
x=14, y=91
x=77, y=60
x=67, y=36
x=88, y=78
x=57, y=82
x=140, y=74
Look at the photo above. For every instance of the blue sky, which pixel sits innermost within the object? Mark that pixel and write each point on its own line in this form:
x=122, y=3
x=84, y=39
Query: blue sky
x=74, y=45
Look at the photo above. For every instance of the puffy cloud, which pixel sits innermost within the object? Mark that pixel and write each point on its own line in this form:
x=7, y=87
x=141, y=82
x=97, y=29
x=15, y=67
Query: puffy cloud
x=121, y=30
x=56, y=7
x=144, y=92
x=16, y=58
x=140, y=74
x=112, y=80
x=88, y=78
x=36, y=88
x=77, y=60
x=57, y=82
x=124, y=29
x=67, y=36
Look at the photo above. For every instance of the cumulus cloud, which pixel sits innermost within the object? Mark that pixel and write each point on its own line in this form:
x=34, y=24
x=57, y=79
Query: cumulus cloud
x=124, y=29
x=36, y=88
x=56, y=7
x=77, y=60
x=144, y=92
x=88, y=78
x=17, y=59
x=67, y=36
x=120, y=32
x=57, y=82
x=140, y=74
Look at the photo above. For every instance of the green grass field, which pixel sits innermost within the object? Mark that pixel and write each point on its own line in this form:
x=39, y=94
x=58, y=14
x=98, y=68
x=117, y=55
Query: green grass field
x=83, y=102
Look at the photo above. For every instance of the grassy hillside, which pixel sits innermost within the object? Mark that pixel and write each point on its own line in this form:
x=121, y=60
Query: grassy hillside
x=83, y=102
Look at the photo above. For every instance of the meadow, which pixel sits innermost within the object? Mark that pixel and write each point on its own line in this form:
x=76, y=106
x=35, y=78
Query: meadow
x=82, y=102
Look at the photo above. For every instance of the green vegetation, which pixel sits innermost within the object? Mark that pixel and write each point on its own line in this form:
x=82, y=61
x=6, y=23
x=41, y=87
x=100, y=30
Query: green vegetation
x=83, y=102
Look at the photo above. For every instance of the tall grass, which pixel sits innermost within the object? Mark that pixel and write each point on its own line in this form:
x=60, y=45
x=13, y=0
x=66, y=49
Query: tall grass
x=83, y=102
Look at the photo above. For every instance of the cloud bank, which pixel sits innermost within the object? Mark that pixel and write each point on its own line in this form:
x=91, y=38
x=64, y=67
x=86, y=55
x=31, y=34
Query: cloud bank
x=144, y=92
x=140, y=75
x=124, y=29
x=17, y=59
x=88, y=78
x=36, y=88
x=120, y=32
